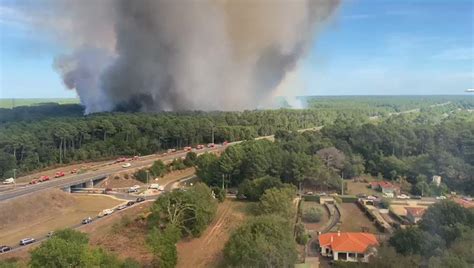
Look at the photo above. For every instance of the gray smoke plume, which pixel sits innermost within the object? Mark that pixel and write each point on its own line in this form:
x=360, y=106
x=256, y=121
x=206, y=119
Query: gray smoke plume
x=153, y=55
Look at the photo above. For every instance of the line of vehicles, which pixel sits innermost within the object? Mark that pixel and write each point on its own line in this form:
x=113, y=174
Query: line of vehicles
x=105, y=212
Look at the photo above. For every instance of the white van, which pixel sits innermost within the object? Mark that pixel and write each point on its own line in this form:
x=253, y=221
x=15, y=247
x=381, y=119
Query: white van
x=155, y=186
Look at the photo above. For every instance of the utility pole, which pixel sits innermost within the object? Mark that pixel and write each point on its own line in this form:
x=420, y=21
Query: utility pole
x=342, y=183
x=223, y=186
x=14, y=178
x=147, y=173
x=212, y=131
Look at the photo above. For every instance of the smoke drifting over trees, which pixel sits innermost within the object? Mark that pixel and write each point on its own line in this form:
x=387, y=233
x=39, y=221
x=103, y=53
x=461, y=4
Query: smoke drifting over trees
x=152, y=55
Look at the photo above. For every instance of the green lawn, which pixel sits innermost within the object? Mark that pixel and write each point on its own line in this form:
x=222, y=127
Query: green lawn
x=9, y=103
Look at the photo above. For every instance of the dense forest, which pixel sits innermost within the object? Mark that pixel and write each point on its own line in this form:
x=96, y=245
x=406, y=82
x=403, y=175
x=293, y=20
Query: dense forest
x=34, y=137
x=409, y=151
x=29, y=145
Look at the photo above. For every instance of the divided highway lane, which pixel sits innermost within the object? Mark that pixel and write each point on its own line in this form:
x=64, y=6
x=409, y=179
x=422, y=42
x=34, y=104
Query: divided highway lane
x=80, y=178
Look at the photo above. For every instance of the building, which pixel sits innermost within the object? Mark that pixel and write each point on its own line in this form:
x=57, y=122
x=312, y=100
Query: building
x=464, y=202
x=352, y=247
x=436, y=180
x=385, y=187
x=414, y=214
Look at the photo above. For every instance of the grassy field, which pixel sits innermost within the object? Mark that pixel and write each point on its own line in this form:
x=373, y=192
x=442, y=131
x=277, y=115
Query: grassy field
x=10, y=103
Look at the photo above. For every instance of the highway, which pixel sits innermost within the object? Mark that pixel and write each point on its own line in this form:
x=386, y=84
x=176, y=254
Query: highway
x=113, y=168
x=105, y=171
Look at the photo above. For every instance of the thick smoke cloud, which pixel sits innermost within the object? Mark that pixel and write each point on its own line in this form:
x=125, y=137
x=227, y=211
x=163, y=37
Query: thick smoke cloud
x=153, y=55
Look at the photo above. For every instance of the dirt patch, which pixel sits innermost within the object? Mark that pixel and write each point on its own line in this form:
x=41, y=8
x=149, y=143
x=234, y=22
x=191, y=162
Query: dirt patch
x=125, y=179
x=354, y=220
x=206, y=251
x=35, y=215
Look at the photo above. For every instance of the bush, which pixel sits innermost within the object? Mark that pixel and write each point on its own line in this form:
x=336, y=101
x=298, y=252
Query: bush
x=302, y=236
x=312, y=215
x=313, y=198
x=219, y=193
x=158, y=169
x=348, y=198
x=190, y=159
x=178, y=164
x=141, y=175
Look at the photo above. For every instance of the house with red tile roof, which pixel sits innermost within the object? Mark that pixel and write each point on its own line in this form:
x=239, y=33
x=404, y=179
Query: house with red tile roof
x=352, y=247
x=464, y=202
x=414, y=214
x=385, y=187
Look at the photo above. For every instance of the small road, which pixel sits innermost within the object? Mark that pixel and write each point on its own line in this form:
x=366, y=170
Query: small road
x=335, y=217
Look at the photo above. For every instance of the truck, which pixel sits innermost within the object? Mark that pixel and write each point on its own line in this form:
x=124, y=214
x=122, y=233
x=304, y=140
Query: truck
x=211, y=145
x=155, y=186
x=59, y=174
x=43, y=178
x=105, y=212
x=9, y=181
x=120, y=160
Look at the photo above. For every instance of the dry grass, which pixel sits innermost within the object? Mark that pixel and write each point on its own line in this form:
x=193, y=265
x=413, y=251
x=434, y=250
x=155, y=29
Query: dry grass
x=37, y=214
x=354, y=220
x=355, y=188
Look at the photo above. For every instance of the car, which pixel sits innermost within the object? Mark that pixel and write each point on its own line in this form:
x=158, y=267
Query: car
x=59, y=174
x=441, y=197
x=74, y=171
x=403, y=196
x=87, y=220
x=34, y=181
x=4, y=249
x=44, y=178
x=26, y=241
x=131, y=190
x=309, y=193
x=140, y=199
x=130, y=203
x=416, y=197
x=121, y=207
x=126, y=165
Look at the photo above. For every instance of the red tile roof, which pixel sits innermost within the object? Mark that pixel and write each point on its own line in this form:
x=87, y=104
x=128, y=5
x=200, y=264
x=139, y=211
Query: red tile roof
x=464, y=203
x=348, y=242
x=415, y=211
x=382, y=184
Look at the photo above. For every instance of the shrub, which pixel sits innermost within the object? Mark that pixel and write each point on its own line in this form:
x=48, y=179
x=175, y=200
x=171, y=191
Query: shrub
x=141, y=175
x=219, y=193
x=312, y=215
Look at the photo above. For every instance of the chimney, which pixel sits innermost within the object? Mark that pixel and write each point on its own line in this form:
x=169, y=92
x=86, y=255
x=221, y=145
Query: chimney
x=338, y=233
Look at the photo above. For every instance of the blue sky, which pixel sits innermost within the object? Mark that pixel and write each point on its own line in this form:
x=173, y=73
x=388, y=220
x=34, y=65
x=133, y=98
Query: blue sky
x=381, y=47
